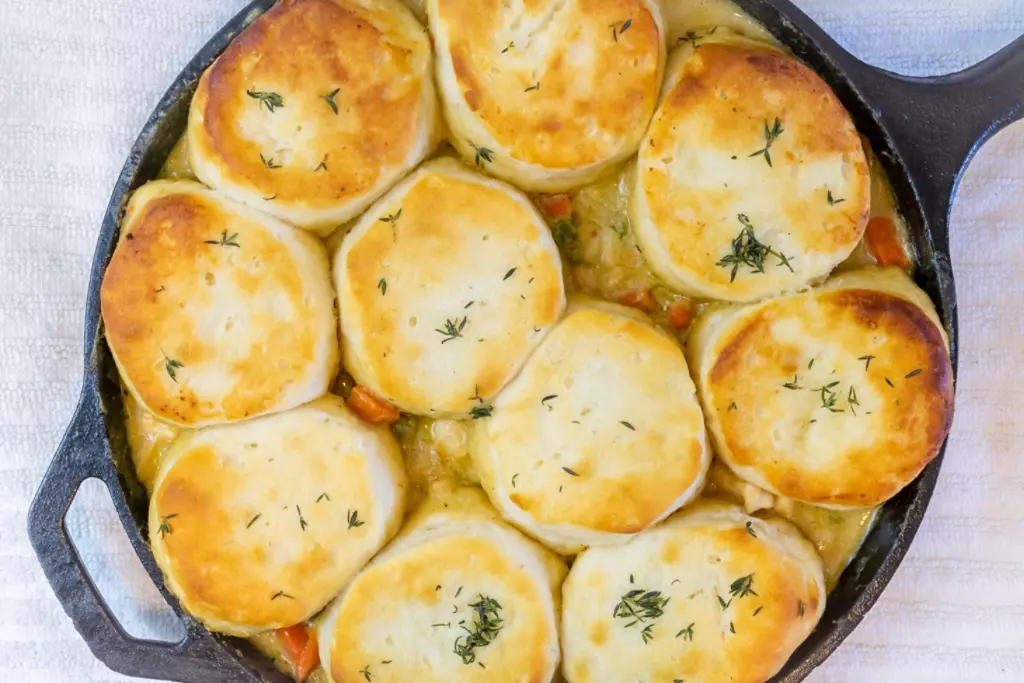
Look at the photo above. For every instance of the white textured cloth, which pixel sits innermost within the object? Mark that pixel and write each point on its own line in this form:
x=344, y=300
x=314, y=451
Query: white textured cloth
x=77, y=81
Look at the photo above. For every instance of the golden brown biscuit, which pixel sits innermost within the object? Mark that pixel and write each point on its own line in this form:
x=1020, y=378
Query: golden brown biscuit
x=752, y=179
x=316, y=109
x=547, y=94
x=445, y=286
x=599, y=437
x=838, y=396
x=711, y=595
x=215, y=312
x=258, y=525
x=458, y=596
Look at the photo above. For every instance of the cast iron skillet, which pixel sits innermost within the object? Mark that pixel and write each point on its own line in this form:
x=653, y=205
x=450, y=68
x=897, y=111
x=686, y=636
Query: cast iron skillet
x=925, y=130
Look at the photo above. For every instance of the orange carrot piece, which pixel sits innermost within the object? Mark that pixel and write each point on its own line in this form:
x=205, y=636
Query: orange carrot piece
x=883, y=241
x=372, y=409
x=680, y=315
x=556, y=206
x=638, y=298
x=300, y=646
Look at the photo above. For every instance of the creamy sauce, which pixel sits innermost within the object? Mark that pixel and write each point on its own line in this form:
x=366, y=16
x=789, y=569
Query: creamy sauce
x=601, y=258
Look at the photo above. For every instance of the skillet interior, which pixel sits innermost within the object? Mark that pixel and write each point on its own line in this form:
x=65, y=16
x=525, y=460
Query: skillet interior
x=859, y=586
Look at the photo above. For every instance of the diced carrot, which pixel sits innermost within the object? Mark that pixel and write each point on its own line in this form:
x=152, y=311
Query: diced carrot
x=680, y=315
x=883, y=241
x=372, y=409
x=299, y=643
x=638, y=298
x=556, y=206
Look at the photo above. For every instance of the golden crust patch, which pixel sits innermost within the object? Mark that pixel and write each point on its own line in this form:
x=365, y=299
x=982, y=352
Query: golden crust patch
x=748, y=136
x=215, y=313
x=557, y=91
x=316, y=109
x=838, y=397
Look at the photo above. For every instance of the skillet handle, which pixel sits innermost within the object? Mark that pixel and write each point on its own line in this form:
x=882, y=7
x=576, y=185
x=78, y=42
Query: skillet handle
x=82, y=455
x=939, y=123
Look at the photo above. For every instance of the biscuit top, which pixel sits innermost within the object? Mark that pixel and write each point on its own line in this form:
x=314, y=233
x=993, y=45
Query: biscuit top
x=555, y=84
x=837, y=397
x=214, y=312
x=748, y=144
x=315, y=109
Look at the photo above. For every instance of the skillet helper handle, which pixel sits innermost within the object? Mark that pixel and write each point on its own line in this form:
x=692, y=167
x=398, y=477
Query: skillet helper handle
x=938, y=123
x=82, y=455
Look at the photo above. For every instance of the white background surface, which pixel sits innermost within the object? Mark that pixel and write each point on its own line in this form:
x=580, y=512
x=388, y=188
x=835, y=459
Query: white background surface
x=79, y=78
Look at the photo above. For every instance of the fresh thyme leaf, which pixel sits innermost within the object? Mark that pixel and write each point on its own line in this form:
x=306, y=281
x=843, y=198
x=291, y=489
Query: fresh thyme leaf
x=302, y=520
x=353, y=519
x=535, y=86
x=758, y=610
x=620, y=27
x=487, y=625
x=225, y=240
x=452, y=329
x=570, y=472
x=646, y=633
x=329, y=99
x=468, y=305
x=747, y=250
x=732, y=407
x=365, y=671
x=271, y=99
x=323, y=496
x=253, y=520
x=382, y=285
x=722, y=603
x=458, y=592
x=686, y=633
x=627, y=425
x=476, y=393
x=750, y=529
x=912, y=373
x=165, y=525
x=482, y=155
x=832, y=201
x=514, y=477
x=867, y=361
x=392, y=218
x=891, y=385
x=269, y=163
x=731, y=627
x=281, y=594
x=742, y=587
x=794, y=385
x=852, y=399
x=811, y=364
x=800, y=608
x=481, y=412
x=631, y=578
x=511, y=44
x=544, y=401
x=770, y=136
x=829, y=398
x=509, y=274
x=172, y=366
x=639, y=606
x=691, y=37
x=322, y=166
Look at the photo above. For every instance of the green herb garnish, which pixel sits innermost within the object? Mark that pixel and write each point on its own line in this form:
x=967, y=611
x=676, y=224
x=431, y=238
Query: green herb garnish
x=639, y=606
x=329, y=99
x=620, y=27
x=271, y=99
x=747, y=250
x=225, y=240
x=742, y=587
x=452, y=329
x=627, y=425
x=165, y=525
x=481, y=411
x=770, y=136
x=487, y=625
x=353, y=519
x=482, y=155
x=832, y=201
x=686, y=633
x=382, y=285
x=253, y=520
x=269, y=163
